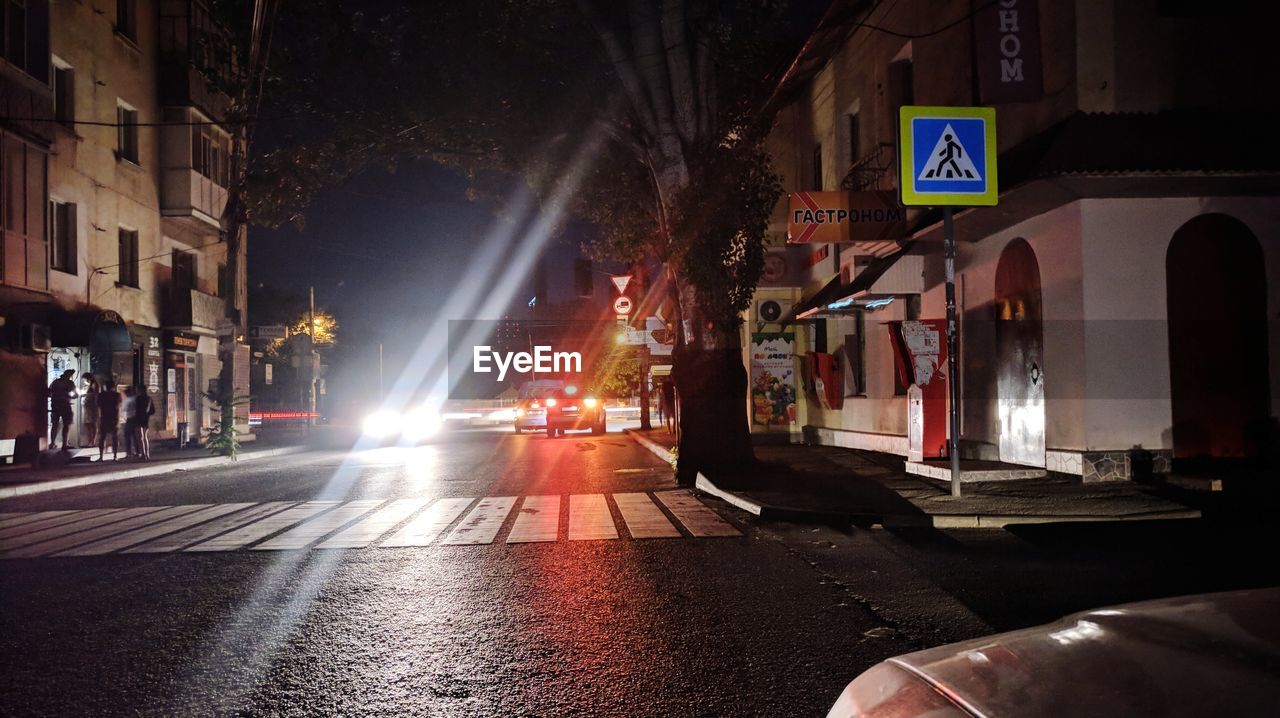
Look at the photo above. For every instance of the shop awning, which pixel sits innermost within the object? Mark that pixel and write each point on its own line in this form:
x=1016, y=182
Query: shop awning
x=101, y=331
x=807, y=308
x=838, y=298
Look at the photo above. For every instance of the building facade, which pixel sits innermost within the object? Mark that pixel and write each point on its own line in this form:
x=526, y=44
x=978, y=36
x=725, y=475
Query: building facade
x=127, y=170
x=1117, y=308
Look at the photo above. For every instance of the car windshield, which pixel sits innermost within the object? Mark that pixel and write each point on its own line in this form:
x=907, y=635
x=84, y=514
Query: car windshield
x=539, y=390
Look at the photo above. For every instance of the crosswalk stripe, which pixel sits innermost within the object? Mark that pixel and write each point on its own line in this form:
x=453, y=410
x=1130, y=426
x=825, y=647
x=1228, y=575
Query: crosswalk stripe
x=589, y=518
x=145, y=517
x=46, y=519
x=643, y=517
x=537, y=520
x=262, y=528
x=205, y=512
x=375, y=524
x=424, y=527
x=28, y=518
x=700, y=520
x=307, y=532
x=481, y=526
x=194, y=535
x=82, y=520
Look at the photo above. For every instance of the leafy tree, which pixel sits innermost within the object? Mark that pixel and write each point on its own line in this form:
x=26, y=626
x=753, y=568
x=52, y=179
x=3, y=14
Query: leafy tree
x=642, y=112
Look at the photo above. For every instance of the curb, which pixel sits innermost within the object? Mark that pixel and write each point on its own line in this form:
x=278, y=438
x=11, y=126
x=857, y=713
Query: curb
x=769, y=512
x=653, y=446
x=8, y=492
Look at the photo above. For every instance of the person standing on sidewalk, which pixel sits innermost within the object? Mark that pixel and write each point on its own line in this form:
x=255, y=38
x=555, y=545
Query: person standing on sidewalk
x=126, y=410
x=108, y=421
x=143, y=409
x=89, y=411
x=62, y=391
x=669, y=405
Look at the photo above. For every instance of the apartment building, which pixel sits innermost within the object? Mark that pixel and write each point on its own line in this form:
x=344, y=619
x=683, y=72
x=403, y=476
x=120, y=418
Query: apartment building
x=123, y=273
x=1117, y=308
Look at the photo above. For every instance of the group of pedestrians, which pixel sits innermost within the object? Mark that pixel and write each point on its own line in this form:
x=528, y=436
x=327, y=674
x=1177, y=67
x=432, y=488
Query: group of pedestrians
x=103, y=407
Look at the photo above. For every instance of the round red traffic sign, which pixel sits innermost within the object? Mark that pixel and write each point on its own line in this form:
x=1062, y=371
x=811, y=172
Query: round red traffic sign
x=622, y=305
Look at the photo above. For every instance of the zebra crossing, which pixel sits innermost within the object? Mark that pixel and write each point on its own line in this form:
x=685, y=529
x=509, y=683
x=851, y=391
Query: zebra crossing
x=359, y=524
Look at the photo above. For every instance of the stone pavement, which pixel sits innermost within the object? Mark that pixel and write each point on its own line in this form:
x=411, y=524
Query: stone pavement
x=828, y=484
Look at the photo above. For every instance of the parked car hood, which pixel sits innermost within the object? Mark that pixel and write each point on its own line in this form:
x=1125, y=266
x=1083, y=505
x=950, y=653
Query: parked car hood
x=1212, y=654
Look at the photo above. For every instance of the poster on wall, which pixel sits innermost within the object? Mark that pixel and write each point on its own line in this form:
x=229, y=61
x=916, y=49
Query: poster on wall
x=773, y=378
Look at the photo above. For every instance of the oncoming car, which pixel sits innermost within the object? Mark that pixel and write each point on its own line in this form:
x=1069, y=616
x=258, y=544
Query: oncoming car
x=571, y=409
x=531, y=408
x=414, y=425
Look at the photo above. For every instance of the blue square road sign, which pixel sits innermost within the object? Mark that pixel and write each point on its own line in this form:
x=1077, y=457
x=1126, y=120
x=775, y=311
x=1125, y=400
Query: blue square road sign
x=947, y=156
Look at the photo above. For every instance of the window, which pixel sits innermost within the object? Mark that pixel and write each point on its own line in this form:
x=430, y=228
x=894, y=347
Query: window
x=853, y=127
x=25, y=258
x=901, y=86
x=127, y=133
x=209, y=152
x=817, y=167
x=582, y=279
x=184, y=270
x=224, y=289
x=856, y=348
x=64, y=109
x=127, y=19
x=128, y=257
x=62, y=237
x=24, y=25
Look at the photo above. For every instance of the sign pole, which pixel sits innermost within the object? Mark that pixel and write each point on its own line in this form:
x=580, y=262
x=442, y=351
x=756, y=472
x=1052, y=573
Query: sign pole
x=953, y=375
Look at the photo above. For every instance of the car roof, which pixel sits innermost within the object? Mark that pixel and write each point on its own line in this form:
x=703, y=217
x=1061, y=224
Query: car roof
x=1212, y=654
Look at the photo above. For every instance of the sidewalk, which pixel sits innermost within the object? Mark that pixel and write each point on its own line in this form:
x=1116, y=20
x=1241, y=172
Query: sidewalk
x=25, y=480
x=828, y=484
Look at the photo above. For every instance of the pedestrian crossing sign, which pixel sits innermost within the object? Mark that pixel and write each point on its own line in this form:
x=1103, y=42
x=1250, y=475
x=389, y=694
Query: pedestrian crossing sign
x=947, y=156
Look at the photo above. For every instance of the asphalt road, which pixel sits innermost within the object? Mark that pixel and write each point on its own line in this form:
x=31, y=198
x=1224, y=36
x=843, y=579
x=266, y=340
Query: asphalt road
x=771, y=621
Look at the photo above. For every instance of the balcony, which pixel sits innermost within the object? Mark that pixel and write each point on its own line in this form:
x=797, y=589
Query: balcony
x=873, y=171
x=187, y=193
x=193, y=309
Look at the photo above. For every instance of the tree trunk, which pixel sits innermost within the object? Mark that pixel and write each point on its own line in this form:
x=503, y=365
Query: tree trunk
x=712, y=383
x=714, y=436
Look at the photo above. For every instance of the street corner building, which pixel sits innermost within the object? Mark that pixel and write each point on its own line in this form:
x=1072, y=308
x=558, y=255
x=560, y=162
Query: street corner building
x=113, y=181
x=1116, y=309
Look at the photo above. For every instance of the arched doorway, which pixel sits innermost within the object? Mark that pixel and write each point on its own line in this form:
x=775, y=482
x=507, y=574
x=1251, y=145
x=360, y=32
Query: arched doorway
x=1219, y=385
x=1020, y=355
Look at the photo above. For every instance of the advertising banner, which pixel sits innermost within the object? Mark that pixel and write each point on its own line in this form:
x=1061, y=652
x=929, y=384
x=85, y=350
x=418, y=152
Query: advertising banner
x=773, y=378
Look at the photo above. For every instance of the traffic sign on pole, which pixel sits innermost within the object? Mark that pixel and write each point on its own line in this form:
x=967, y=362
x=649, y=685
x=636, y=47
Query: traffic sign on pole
x=947, y=156
x=621, y=282
x=622, y=305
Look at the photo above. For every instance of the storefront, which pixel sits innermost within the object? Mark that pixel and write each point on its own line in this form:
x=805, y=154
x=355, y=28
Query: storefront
x=191, y=364
x=90, y=343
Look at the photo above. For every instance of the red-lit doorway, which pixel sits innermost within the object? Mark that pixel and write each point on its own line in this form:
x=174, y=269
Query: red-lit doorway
x=1217, y=295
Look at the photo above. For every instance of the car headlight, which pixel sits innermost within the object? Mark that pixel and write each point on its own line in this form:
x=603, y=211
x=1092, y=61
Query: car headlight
x=551, y=402
x=421, y=423
x=519, y=412
x=590, y=402
x=381, y=424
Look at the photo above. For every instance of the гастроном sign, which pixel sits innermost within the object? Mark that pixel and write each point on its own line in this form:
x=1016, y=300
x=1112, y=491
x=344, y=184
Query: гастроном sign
x=826, y=217
x=947, y=156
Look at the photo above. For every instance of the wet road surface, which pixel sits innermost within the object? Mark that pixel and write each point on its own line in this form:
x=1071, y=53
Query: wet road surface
x=493, y=574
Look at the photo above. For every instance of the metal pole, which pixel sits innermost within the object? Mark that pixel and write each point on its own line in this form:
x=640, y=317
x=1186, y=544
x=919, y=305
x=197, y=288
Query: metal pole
x=645, y=423
x=953, y=378
x=311, y=356
x=380, y=397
